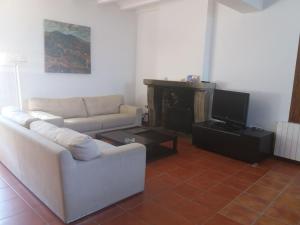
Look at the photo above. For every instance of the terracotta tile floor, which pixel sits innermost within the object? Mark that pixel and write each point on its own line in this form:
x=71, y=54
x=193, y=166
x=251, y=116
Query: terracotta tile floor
x=189, y=188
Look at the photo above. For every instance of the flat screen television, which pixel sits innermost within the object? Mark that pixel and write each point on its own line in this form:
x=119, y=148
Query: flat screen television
x=230, y=107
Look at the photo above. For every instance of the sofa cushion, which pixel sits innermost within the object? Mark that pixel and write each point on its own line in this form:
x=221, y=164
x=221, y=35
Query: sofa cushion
x=95, y=123
x=17, y=116
x=65, y=107
x=45, y=129
x=83, y=124
x=50, y=118
x=81, y=146
x=116, y=120
x=103, y=104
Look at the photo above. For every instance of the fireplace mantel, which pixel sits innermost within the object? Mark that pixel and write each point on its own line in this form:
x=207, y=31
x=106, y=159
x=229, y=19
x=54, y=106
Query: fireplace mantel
x=161, y=114
x=168, y=83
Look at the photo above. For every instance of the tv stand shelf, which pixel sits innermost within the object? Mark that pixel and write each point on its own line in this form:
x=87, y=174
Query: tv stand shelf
x=247, y=144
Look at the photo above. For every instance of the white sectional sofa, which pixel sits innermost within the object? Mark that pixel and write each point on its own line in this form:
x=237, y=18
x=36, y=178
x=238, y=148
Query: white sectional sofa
x=70, y=188
x=88, y=115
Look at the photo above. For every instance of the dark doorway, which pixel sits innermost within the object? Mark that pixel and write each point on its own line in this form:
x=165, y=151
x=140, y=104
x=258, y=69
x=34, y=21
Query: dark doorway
x=295, y=103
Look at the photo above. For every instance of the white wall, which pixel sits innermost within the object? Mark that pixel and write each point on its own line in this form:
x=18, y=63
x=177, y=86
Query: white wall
x=146, y=51
x=170, y=42
x=252, y=52
x=256, y=53
x=113, y=46
x=180, y=38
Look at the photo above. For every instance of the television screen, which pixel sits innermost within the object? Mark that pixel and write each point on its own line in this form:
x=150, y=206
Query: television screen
x=230, y=106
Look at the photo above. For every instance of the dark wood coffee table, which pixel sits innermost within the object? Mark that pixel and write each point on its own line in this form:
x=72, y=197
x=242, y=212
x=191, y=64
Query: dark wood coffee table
x=150, y=137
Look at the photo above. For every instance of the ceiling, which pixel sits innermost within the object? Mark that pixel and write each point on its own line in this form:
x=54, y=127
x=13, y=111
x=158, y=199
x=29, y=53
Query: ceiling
x=243, y=6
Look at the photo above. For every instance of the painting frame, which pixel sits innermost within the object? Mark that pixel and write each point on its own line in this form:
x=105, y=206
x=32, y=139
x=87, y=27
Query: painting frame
x=67, y=48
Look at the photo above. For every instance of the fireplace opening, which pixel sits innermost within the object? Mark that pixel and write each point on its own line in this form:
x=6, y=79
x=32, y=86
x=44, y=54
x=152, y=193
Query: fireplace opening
x=176, y=108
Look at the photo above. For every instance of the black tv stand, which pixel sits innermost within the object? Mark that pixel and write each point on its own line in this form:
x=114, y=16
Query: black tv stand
x=224, y=126
x=247, y=144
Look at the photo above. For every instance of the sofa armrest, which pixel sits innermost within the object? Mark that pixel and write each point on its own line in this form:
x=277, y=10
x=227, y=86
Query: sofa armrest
x=128, y=149
x=36, y=162
x=133, y=110
x=50, y=118
x=117, y=174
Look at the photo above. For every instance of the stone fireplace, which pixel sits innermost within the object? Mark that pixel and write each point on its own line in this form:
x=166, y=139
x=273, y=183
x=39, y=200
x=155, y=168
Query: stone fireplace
x=177, y=105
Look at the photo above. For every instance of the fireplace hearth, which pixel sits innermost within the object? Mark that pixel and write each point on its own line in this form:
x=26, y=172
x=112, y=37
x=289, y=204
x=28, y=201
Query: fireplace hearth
x=177, y=105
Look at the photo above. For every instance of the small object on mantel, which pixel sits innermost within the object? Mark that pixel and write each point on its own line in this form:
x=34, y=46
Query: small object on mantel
x=170, y=83
x=193, y=78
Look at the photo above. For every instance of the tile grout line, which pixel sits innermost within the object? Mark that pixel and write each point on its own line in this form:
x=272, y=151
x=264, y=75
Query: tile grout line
x=166, y=173
x=165, y=208
x=272, y=202
x=299, y=185
x=245, y=191
x=9, y=185
x=242, y=169
x=152, y=199
x=281, y=192
x=187, y=180
x=20, y=196
x=218, y=183
x=18, y=213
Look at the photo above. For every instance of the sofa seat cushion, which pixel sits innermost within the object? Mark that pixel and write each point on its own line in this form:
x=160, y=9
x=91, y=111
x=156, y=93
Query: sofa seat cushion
x=83, y=124
x=116, y=120
x=64, y=107
x=81, y=146
x=102, y=122
x=103, y=105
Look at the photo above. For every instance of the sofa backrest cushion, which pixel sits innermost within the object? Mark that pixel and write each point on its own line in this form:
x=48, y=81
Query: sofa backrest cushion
x=103, y=105
x=64, y=107
x=81, y=146
x=17, y=116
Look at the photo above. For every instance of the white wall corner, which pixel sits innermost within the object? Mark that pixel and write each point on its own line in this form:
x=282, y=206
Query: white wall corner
x=208, y=35
x=247, y=6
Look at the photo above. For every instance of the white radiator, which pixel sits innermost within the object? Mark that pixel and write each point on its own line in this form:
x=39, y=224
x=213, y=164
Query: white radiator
x=288, y=140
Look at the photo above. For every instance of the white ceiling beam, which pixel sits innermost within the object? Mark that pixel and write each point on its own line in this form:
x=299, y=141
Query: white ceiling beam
x=129, y=4
x=134, y=4
x=106, y=1
x=246, y=6
x=243, y=6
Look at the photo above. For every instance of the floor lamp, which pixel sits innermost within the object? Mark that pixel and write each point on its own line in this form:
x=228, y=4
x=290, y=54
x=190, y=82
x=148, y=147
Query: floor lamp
x=15, y=60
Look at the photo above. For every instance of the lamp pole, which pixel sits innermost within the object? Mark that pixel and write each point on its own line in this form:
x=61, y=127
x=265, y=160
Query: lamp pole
x=19, y=92
x=8, y=59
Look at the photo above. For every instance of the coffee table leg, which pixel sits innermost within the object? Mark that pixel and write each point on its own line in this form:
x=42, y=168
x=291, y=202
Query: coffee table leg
x=175, y=144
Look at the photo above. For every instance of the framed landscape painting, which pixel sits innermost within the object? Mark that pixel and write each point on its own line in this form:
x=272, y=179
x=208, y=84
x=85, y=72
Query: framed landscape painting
x=67, y=48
